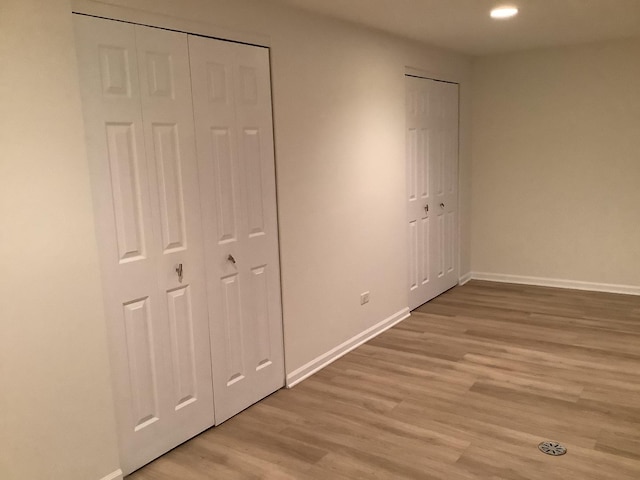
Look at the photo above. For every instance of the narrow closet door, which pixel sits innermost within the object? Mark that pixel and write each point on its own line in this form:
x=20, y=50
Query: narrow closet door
x=443, y=120
x=420, y=205
x=234, y=136
x=139, y=127
x=432, y=187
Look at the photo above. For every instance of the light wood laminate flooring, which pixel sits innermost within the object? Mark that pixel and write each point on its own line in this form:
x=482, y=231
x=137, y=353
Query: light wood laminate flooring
x=465, y=388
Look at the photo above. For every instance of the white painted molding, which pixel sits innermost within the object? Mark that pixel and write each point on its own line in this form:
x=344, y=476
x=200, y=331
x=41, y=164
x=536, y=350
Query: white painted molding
x=465, y=278
x=332, y=355
x=558, y=283
x=117, y=475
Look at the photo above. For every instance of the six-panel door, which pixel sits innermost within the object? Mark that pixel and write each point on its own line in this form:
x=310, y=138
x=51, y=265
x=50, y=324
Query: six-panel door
x=234, y=133
x=139, y=125
x=432, y=187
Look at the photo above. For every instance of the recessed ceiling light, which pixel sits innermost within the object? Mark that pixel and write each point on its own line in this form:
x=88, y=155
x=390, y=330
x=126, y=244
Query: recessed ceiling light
x=504, y=12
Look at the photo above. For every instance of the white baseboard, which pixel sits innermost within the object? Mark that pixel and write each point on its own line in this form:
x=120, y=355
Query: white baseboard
x=332, y=355
x=465, y=278
x=556, y=282
x=117, y=475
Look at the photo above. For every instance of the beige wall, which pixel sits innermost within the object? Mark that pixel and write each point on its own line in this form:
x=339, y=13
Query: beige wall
x=56, y=412
x=339, y=120
x=556, y=166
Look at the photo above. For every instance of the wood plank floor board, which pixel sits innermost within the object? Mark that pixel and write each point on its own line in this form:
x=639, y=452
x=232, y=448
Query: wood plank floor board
x=480, y=414
x=620, y=443
x=464, y=389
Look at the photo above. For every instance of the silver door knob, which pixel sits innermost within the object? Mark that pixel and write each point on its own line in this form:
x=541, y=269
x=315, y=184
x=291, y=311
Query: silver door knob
x=179, y=272
x=442, y=205
x=231, y=259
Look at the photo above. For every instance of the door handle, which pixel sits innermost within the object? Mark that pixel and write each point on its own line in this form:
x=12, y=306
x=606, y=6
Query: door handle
x=179, y=272
x=231, y=259
x=442, y=205
x=426, y=208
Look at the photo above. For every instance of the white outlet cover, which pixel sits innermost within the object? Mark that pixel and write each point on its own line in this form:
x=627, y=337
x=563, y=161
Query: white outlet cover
x=364, y=298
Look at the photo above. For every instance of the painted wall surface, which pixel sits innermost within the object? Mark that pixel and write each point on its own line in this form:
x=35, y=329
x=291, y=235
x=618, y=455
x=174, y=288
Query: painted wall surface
x=56, y=412
x=556, y=165
x=339, y=101
x=339, y=113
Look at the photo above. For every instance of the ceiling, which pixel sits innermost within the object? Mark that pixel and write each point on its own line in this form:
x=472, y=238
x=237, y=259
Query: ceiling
x=465, y=25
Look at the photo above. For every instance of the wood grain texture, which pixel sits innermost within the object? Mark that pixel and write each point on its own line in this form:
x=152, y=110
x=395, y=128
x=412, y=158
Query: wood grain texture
x=465, y=388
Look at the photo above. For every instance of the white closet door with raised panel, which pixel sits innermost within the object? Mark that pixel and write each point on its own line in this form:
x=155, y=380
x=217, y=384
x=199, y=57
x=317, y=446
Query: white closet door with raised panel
x=139, y=126
x=234, y=136
x=444, y=121
x=432, y=187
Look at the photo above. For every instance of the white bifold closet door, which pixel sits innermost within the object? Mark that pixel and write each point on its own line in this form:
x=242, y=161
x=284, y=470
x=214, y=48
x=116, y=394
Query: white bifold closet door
x=136, y=95
x=181, y=316
x=234, y=134
x=432, y=187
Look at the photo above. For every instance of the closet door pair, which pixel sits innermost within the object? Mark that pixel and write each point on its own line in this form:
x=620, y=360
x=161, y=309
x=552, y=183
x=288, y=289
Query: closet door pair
x=432, y=187
x=186, y=223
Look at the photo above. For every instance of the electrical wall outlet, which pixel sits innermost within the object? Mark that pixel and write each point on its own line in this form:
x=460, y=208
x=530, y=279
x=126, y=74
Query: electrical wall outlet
x=364, y=298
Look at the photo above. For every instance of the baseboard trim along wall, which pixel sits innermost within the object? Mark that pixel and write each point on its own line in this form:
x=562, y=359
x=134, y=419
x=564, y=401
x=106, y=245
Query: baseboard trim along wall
x=332, y=355
x=117, y=475
x=556, y=282
x=464, y=278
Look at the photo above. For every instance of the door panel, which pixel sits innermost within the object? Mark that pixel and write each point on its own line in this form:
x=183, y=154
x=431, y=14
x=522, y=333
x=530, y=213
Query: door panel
x=232, y=103
x=224, y=178
x=253, y=171
x=233, y=330
x=182, y=346
x=441, y=249
x=170, y=186
x=127, y=191
x=412, y=164
x=432, y=159
x=142, y=365
x=167, y=107
x=140, y=145
x=259, y=313
x=414, y=258
x=425, y=267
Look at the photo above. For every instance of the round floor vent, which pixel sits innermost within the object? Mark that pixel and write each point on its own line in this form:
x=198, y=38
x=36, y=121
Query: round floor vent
x=552, y=448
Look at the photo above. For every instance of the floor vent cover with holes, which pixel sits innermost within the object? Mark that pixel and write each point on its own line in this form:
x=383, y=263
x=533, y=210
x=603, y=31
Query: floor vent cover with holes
x=552, y=448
